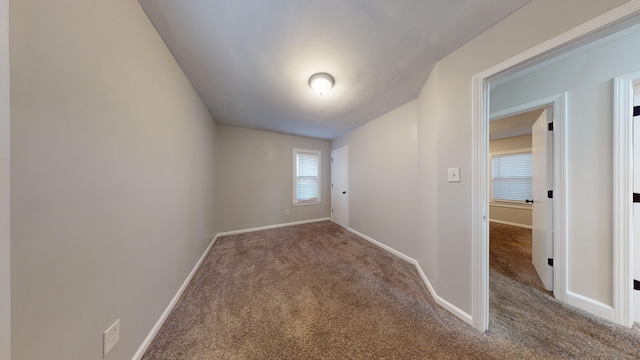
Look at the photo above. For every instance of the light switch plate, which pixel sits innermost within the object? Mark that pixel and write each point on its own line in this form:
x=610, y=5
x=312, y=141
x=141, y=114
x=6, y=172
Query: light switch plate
x=453, y=174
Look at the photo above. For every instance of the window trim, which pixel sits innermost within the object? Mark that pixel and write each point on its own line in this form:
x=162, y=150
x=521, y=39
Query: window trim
x=294, y=156
x=492, y=201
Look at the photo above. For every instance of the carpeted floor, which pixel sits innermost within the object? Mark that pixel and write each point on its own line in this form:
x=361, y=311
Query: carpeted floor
x=316, y=291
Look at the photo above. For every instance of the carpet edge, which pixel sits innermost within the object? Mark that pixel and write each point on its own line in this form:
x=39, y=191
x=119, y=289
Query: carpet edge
x=267, y=227
x=459, y=313
x=165, y=314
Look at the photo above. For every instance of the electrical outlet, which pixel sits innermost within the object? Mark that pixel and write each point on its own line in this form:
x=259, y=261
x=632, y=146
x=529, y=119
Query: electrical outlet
x=110, y=337
x=286, y=212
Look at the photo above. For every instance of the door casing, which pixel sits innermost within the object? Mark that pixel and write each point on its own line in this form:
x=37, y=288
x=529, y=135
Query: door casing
x=623, y=230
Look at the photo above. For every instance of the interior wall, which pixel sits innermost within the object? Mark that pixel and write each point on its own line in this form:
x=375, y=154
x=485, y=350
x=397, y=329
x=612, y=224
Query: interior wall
x=112, y=173
x=454, y=140
x=588, y=80
x=255, y=178
x=511, y=143
x=5, y=235
x=518, y=215
x=426, y=249
x=383, y=178
x=509, y=213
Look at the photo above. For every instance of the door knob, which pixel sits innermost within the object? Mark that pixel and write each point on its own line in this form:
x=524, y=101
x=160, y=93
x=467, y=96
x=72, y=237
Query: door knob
x=344, y=192
x=529, y=201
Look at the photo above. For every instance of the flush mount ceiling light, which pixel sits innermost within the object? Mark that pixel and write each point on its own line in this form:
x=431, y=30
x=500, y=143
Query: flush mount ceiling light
x=321, y=83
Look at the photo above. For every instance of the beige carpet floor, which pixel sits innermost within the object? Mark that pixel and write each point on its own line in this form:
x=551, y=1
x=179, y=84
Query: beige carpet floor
x=316, y=291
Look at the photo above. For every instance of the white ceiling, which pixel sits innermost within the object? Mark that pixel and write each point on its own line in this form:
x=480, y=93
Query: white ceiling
x=250, y=60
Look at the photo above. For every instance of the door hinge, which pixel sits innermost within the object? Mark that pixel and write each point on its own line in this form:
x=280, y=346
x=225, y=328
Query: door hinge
x=331, y=159
x=636, y=111
x=332, y=210
x=636, y=284
x=636, y=198
x=550, y=262
x=550, y=126
x=550, y=194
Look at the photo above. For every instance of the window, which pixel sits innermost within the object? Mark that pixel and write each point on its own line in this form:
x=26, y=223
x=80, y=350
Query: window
x=511, y=177
x=306, y=177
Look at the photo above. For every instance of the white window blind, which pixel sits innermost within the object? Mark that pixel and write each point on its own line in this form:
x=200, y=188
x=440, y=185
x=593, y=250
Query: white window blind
x=512, y=177
x=306, y=176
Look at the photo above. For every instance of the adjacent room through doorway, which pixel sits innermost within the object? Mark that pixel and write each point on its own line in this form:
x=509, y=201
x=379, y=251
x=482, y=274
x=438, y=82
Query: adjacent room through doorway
x=520, y=211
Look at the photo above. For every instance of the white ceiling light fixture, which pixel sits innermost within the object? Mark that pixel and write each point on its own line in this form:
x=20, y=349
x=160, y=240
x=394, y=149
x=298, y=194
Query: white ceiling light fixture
x=321, y=83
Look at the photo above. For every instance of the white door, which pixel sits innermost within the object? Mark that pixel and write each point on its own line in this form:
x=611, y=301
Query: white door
x=636, y=206
x=542, y=214
x=340, y=186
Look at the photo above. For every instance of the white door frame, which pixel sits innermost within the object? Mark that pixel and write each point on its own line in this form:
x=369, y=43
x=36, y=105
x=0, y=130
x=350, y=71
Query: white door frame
x=480, y=116
x=559, y=117
x=622, y=200
x=346, y=147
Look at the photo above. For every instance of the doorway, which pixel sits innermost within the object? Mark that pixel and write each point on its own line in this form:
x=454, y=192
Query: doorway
x=557, y=246
x=520, y=186
x=554, y=51
x=340, y=186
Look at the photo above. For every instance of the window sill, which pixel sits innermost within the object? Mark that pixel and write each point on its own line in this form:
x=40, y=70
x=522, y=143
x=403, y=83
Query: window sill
x=306, y=203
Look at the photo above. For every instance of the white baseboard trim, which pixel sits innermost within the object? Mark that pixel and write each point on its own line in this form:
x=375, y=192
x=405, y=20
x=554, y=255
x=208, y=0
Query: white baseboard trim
x=511, y=223
x=442, y=302
x=154, y=331
x=235, y=232
x=589, y=305
x=439, y=300
x=383, y=246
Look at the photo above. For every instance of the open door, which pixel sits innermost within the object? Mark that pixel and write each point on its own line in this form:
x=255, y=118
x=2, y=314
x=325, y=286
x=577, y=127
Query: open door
x=339, y=186
x=542, y=213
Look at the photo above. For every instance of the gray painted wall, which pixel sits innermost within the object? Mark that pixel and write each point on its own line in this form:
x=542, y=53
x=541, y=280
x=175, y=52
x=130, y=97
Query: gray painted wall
x=383, y=178
x=112, y=174
x=5, y=236
x=520, y=215
x=512, y=143
x=255, y=178
x=588, y=79
x=426, y=245
x=512, y=215
x=451, y=122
